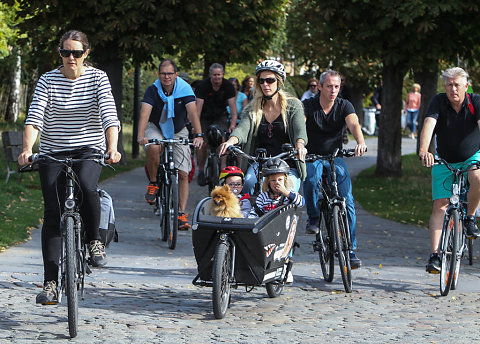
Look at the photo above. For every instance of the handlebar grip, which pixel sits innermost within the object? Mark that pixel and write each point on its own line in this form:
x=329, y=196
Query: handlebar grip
x=33, y=157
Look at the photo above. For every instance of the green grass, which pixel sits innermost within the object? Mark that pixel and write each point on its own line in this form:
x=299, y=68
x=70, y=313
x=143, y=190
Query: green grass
x=21, y=204
x=407, y=199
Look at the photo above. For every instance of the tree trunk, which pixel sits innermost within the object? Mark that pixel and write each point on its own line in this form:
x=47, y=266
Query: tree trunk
x=357, y=101
x=136, y=112
x=14, y=98
x=428, y=80
x=114, y=70
x=389, y=163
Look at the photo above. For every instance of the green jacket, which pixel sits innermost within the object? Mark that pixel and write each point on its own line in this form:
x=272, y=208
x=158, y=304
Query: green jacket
x=245, y=130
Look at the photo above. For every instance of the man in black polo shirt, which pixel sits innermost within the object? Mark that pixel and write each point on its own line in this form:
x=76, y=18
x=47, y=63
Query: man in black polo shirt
x=327, y=117
x=169, y=96
x=213, y=96
x=454, y=116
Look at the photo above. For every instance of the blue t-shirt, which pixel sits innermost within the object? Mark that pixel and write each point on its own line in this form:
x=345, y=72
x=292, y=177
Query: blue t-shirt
x=151, y=97
x=240, y=98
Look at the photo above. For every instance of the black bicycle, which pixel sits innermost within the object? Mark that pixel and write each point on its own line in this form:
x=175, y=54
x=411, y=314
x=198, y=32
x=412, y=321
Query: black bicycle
x=214, y=138
x=233, y=252
x=333, y=238
x=454, y=241
x=73, y=257
x=166, y=204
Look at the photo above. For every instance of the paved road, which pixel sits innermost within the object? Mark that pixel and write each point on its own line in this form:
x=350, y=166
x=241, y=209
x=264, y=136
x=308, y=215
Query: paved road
x=145, y=294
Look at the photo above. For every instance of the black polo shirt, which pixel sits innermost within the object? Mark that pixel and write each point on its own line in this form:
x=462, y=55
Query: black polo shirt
x=325, y=131
x=215, y=102
x=179, y=108
x=458, y=136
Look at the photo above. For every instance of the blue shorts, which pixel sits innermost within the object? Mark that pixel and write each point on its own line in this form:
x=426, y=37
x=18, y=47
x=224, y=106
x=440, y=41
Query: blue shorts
x=442, y=178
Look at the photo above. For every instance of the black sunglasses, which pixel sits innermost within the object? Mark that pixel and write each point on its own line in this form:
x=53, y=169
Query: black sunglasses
x=268, y=80
x=312, y=85
x=76, y=53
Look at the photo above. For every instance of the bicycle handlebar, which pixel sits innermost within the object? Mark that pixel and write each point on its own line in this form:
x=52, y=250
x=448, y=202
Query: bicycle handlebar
x=288, y=154
x=168, y=141
x=336, y=153
x=39, y=157
x=441, y=161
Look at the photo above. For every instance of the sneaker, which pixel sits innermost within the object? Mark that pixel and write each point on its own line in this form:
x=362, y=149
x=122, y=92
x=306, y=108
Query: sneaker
x=49, y=294
x=152, y=193
x=201, y=179
x=98, y=257
x=312, y=226
x=183, y=224
x=289, y=278
x=434, y=264
x=355, y=262
x=471, y=225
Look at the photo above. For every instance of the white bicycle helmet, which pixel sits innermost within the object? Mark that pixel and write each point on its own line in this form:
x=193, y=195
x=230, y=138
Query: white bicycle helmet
x=272, y=66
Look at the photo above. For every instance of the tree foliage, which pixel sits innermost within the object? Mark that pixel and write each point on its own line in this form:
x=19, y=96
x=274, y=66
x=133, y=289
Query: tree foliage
x=410, y=33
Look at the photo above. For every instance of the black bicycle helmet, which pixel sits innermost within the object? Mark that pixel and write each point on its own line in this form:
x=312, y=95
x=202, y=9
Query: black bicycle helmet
x=275, y=165
x=272, y=66
x=214, y=136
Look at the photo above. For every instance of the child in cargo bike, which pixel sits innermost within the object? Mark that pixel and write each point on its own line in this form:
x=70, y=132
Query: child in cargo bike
x=233, y=177
x=276, y=189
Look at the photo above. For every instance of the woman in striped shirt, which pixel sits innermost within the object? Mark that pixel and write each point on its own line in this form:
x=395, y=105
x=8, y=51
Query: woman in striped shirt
x=74, y=111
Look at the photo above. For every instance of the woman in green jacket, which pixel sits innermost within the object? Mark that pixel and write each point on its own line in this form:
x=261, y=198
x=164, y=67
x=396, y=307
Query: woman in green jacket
x=272, y=119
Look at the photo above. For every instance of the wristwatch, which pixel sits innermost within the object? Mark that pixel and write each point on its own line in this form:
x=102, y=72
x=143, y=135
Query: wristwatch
x=199, y=135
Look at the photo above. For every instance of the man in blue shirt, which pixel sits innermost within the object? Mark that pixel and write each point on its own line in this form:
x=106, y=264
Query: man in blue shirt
x=153, y=107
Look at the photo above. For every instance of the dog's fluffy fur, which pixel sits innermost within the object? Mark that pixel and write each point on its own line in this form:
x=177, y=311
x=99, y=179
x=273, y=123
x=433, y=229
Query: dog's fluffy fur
x=224, y=203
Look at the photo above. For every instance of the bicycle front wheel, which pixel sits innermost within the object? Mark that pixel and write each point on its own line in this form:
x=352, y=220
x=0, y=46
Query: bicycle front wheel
x=221, y=279
x=342, y=248
x=71, y=277
x=172, y=212
x=163, y=210
x=325, y=247
x=448, y=251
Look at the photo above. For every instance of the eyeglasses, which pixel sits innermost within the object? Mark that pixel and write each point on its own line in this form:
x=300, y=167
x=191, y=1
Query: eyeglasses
x=270, y=130
x=268, y=80
x=163, y=75
x=235, y=185
x=76, y=53
x=312, y=85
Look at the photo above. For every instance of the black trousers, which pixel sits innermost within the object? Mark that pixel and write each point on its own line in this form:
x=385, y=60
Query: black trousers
x=52, y=178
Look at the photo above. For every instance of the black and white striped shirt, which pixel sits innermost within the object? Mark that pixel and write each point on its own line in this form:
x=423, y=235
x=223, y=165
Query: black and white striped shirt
x=72, y=113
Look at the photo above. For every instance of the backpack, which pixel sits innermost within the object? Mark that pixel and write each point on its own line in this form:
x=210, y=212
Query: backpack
x=107, y=219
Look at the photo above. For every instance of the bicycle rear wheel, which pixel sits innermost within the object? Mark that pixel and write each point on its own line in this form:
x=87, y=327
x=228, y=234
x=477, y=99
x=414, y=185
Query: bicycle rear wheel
x=325, y=247
x=172, y=211
x=221, y=279
x=213, y=171
x=71, y=277
x=342, y=248
x=448, y=251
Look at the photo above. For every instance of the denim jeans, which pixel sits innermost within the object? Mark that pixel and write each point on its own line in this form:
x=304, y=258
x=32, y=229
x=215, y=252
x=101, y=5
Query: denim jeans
x=251, y=179
x=311, y=189
x=412, y=120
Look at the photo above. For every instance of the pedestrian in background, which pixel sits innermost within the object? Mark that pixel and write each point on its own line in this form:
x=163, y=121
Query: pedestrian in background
x=312, y=89
x=412, y=105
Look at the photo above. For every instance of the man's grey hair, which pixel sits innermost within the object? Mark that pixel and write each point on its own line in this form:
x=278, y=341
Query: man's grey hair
x=454, y=72
x=330, y=72
x=216, y=66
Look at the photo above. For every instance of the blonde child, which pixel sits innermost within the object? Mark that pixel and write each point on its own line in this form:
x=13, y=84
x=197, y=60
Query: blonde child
x=276, y=184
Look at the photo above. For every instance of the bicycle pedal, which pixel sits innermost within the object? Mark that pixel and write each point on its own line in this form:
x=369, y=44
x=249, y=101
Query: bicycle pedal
x=49, y=303
x=435, y=272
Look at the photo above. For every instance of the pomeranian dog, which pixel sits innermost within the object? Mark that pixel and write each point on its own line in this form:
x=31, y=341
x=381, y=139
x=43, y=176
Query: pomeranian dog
x=224, y=203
